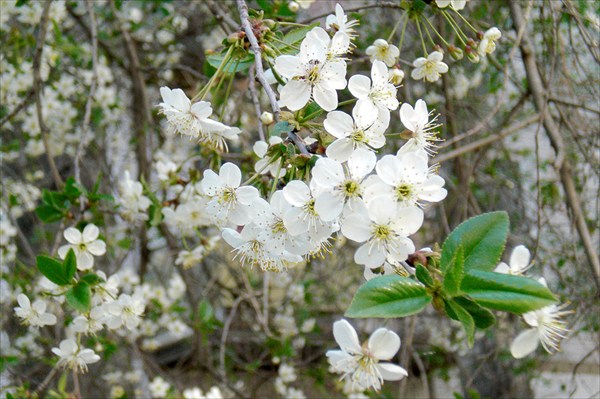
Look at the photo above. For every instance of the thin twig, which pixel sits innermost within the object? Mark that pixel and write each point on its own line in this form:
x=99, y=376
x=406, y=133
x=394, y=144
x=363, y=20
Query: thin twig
x=26, y=101
x=37, y=90
x=42, y=387
x=260, y=73
x=88, y=106
x=222, y=16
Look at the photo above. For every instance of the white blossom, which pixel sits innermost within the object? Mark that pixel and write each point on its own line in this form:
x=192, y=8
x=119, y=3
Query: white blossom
x=383, y=51
x=429, y=68
x=34, y=314
x=377, y=94
x=74, y=357
x=86, y=245
x=362, y=364
x=518, y=264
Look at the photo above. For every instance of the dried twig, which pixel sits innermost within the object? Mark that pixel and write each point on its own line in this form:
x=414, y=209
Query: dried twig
x=25, y=102
x=37, y=90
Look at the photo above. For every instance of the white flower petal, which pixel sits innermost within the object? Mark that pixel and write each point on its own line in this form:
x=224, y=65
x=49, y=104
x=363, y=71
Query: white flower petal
x=73, y=236
x=391, y=372
x=346, y=337
x=384, y=344
x=525, y=343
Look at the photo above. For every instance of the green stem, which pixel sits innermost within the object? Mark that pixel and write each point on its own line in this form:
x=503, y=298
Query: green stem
x=396, y=27
x=228, y=91
x=437, y=33
x=202, y=93
x=421, y=36
x=428, y=34
x=402, y=36
x=275, y=74
x=276, y=179
x=465, y=21
x=455, y=27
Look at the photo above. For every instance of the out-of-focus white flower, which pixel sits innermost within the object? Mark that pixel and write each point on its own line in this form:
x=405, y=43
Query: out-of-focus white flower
x=293, y=6
x=362, y=363
x=125, y=311
x=383, y=51
x=86, y=245
x=34, y=314
x=287, y=373
x=429, y=68
x=193, y=393
x=159, y=387
x=518, y=264
x=74, y=357
x=133, y=203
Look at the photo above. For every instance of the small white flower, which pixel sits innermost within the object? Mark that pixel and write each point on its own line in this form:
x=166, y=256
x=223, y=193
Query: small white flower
x=395, y=76
x=74, y=357
x=429, y=68
x=133, y=203
x=423, y=131
x=519, y=262
x=90, y=324
x=125, y=311
x=488, y=43
x=362, y=363
x=383, y=51
x=228, y=201
x=193, y=393
x=34, y=314
x=311, y=74
x=457, y=5
x=547, y=328
x=376, y=94
x=86, y=245
x=339, y=22
x=364, y=129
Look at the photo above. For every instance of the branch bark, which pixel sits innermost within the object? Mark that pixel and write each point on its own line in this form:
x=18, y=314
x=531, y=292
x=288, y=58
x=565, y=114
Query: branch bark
x=562, y=164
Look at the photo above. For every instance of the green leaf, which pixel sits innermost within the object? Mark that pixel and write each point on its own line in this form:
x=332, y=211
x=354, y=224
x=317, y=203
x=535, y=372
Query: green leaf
x=70, y=265
x=79, y=297
x=266, y=5
x=236, y=64
x=482, y=239
x=156, y=215
x=465, y=318
x=72, y=190
x=48, y=214
x=280, y=128
x=483, y=318
x=505, y=292
x=91, y=279
x=53, y=270
x=291, y=41
x=389, y=296
x=21, y=3
x=205, y=311
x=312, y=111
x=454, y=273
x=423, y=275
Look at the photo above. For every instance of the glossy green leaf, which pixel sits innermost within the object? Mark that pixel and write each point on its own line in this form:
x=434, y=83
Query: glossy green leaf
x=389, y=296
x=236, y=64
x=91, y=279
x=482, y=239
x=454, y=273
x=483, y=318
x=505, y=292
x=70, y=264
x=53, y=270
x=80, y=297
x=457, y=312
x=423, y=275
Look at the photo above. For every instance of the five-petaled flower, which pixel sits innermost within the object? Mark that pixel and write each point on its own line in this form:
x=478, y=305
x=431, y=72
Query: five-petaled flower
x=86, y=245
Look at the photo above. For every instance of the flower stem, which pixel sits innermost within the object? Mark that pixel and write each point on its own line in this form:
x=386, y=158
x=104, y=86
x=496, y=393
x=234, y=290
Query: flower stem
x=421, y=36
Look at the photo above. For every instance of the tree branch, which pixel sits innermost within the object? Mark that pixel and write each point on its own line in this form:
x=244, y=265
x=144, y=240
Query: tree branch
x=562, y=164
x=37, y=91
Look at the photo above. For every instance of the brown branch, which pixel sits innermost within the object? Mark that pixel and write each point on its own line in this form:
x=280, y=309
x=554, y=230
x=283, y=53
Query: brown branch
x=37, y=90
x=562, y=164
x=221, y=16
x=256, y=101
x=18, y=108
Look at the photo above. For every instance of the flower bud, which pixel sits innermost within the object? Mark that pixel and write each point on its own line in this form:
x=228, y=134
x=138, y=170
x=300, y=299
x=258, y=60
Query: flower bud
x=293, y=6
x=269, y=23
x=439, y=48
x=472, y=55
x=266, y=118
x=395, y=76
x=455, y=52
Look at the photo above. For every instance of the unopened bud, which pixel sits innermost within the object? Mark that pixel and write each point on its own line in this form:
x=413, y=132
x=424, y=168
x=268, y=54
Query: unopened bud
x=472, y=55
x=233, y=38
x=455, y=52
x=480, y=35
x=439, y=48
x=293, y=6
x=266, y=118
x=395, y=76
x=472, y=43
x=269, y=23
